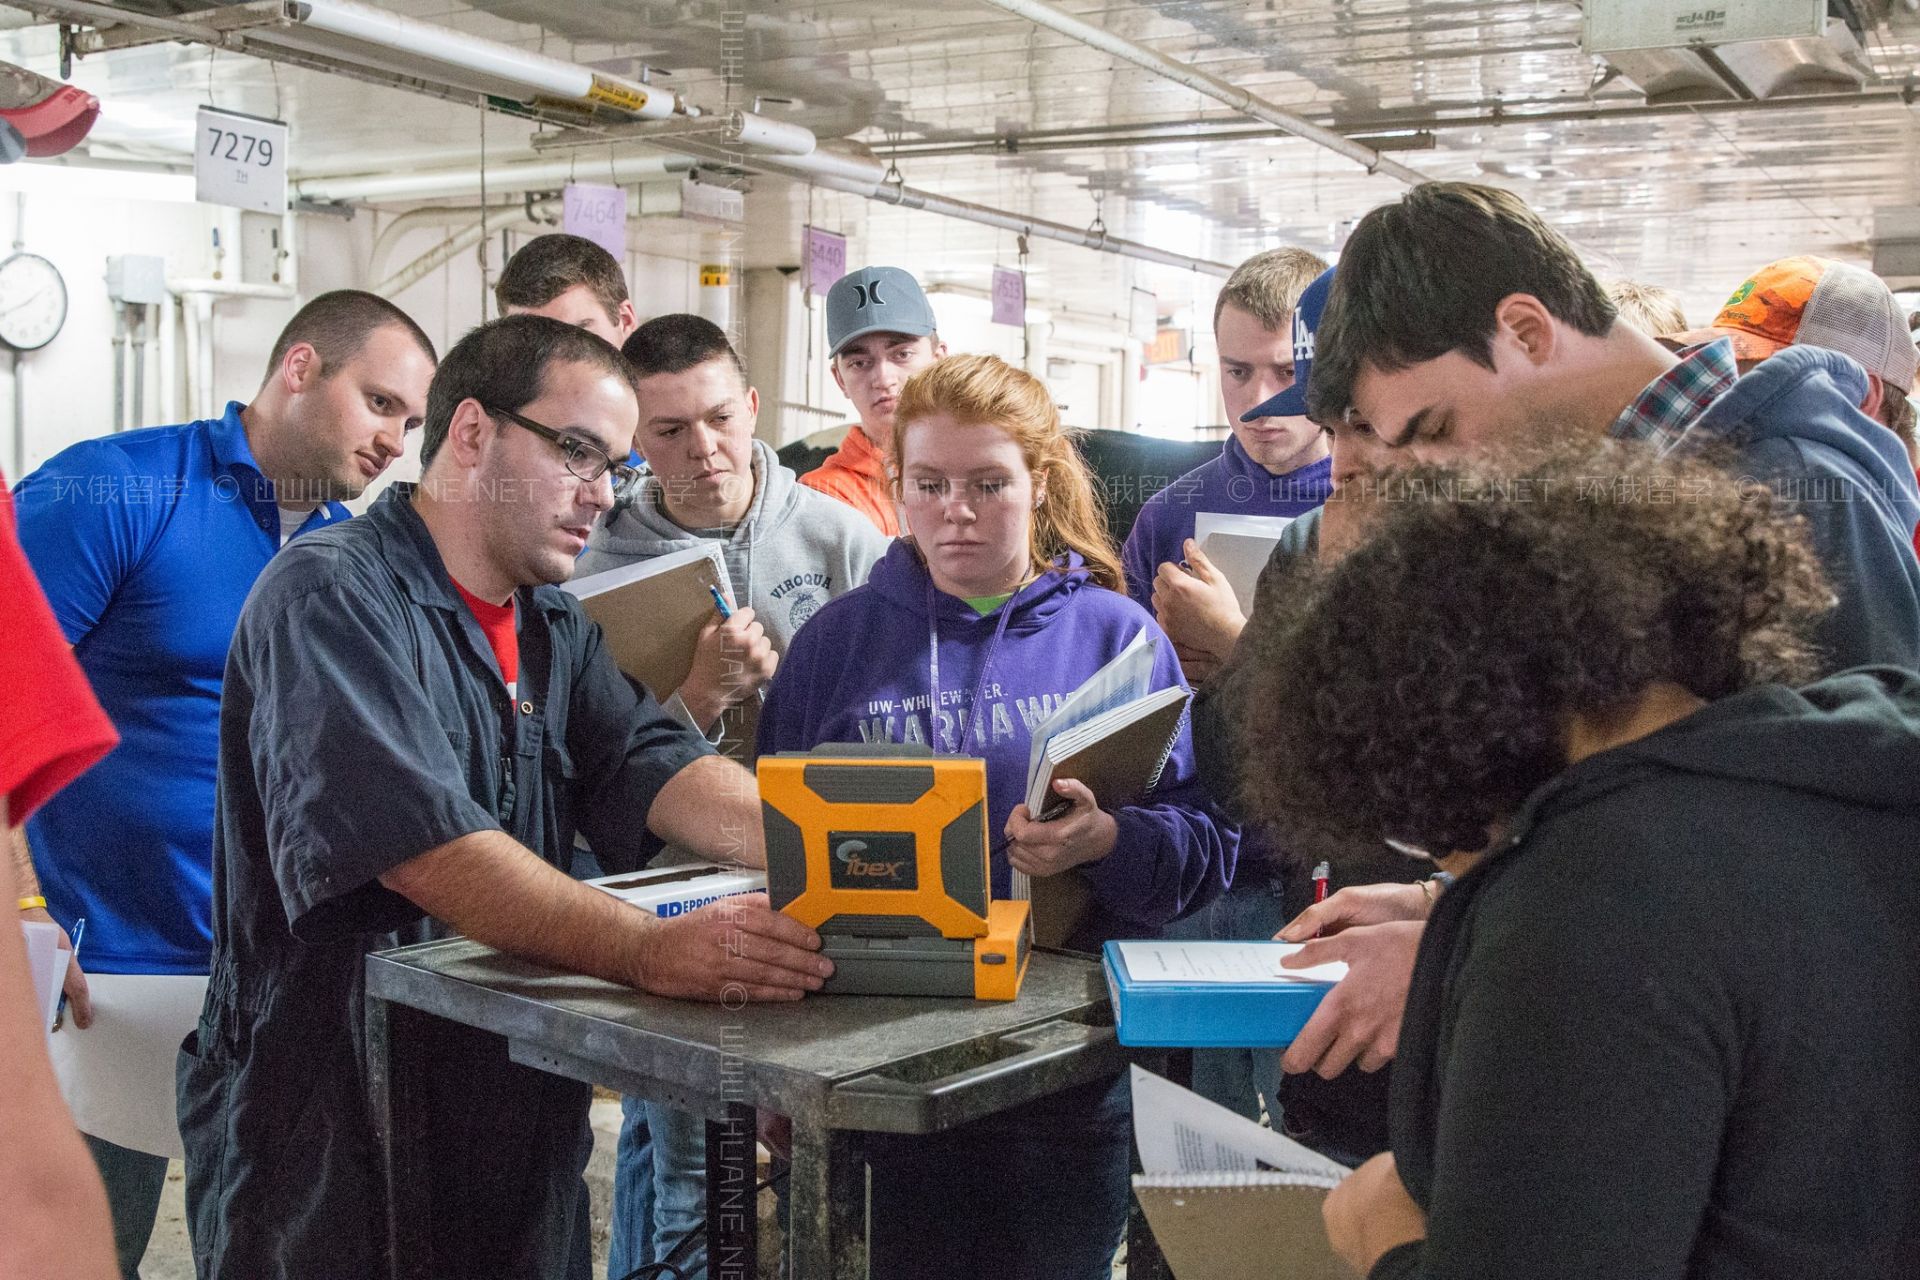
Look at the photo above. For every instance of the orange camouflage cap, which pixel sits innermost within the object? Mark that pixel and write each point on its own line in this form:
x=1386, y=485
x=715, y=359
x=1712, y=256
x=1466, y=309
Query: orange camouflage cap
x=1816, y=302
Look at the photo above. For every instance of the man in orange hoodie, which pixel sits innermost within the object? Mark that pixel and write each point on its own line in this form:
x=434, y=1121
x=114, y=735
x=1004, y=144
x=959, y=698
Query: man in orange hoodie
x=880, y=331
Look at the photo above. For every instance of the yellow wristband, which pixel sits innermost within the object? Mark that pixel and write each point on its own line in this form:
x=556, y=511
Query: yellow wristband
x=33, y=904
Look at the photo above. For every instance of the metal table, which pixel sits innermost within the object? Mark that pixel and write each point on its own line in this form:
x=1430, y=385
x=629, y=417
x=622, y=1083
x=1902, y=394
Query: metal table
x=838, y=1066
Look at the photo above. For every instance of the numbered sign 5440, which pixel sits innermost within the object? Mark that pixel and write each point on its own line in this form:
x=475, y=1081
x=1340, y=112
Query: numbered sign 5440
x=241, y=160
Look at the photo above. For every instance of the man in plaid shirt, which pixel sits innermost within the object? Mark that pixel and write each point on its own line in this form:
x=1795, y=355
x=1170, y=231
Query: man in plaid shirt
x=1460, y=321
x=1461, y=324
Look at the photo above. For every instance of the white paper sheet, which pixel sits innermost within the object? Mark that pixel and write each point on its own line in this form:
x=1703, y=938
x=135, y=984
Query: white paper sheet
x=1208, y=523
x=47, y=962
x=1220, y=962
x=1240, y=558
x=1178, y=1131
x=117, y=1075
x=608, y=579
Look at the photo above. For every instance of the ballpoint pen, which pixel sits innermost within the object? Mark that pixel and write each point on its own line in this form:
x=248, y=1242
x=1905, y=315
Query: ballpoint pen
x=60, y=1009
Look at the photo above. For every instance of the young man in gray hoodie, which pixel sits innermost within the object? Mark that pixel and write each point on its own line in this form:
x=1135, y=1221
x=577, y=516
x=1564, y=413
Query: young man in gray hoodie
x=788, y=551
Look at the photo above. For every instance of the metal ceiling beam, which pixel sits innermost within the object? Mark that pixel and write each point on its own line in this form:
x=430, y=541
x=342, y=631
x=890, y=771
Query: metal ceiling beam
x=862, y=175
x=1417, y=127
x=106, y=18
x=810, y=169
x=1241, y=100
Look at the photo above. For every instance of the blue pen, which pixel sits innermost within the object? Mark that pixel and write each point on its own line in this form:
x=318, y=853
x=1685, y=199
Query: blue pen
x=720, y=603
x=79, y=932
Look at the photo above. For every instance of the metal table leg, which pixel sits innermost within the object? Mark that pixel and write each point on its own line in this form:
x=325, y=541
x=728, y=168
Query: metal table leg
x=733, y=1220
x=395, y=1080
x=827, y=1234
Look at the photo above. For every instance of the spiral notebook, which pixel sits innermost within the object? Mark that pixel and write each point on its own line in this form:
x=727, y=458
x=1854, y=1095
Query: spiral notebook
x=1227, y=1198
x=1114, y=734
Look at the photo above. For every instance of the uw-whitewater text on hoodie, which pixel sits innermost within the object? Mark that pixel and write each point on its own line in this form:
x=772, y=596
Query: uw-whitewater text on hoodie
x=900, y=661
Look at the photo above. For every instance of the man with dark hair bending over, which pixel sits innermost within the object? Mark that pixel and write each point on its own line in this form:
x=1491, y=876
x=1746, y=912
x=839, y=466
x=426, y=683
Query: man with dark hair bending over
x=1666, y=1025
x=1460, y=326
x=416, y=723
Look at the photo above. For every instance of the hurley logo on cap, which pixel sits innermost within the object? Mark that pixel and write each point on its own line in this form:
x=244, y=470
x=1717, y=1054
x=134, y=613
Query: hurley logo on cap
x=868, y=295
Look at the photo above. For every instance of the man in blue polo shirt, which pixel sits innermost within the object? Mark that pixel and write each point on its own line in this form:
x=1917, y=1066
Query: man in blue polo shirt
x=147, y=544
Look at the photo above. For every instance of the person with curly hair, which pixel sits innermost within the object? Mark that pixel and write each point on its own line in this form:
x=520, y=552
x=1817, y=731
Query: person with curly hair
x=1462, y=326
x=1664, y=1026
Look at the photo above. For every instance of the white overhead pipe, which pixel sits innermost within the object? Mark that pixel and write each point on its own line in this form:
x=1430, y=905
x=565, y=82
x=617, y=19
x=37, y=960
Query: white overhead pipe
x=525, y=175
x=342, y=28
x=542, y=213
x=412, y=220
x=361, y=40
x=454, y=245
x=538, y=216
x=1247, y=104
x=781, y=137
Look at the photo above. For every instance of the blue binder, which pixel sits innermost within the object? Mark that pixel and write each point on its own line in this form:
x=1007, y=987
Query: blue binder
x=1207, y=1015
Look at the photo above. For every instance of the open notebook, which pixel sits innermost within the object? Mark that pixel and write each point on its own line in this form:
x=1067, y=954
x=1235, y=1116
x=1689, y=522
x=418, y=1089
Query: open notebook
x=1114, y=735
x=652, y=611
x=1228, y=1199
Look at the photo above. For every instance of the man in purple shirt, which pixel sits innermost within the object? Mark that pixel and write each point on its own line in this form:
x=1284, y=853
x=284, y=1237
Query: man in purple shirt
x=1272, y=468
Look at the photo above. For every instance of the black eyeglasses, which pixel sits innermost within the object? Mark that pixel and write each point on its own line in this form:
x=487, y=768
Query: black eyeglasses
x=585, y=459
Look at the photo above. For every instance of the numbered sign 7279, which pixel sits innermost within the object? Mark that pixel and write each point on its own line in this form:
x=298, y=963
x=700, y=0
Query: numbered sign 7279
x=240, y=160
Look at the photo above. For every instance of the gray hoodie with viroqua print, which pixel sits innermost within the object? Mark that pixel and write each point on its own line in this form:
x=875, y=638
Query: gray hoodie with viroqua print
x=794, y=551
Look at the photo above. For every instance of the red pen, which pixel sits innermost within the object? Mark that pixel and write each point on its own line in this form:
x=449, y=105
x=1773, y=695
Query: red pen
x=1320, y=874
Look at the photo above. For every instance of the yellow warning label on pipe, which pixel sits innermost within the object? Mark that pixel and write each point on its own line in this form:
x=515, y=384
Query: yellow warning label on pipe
x=713, y=277
x=613, y=94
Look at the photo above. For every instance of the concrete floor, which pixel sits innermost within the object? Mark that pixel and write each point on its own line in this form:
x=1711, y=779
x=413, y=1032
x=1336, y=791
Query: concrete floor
x=169, y=1256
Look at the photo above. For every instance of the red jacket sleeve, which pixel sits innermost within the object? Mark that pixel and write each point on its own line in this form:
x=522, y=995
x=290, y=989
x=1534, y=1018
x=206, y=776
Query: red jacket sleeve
x=51, y=727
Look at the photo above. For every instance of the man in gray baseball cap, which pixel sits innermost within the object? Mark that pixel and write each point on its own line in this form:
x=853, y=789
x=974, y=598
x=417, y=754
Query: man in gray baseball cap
x=880, y=331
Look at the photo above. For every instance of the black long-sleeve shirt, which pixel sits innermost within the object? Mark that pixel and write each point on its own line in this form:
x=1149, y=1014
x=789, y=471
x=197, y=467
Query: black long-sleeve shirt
x=1671, y=1027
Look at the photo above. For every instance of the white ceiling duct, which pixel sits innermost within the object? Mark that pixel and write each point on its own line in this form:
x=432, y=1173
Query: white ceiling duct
x=1677, y=51
x=1829, y=63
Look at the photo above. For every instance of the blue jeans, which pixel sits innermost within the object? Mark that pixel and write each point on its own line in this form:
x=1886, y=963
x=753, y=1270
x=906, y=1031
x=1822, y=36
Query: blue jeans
x=1237, y=1079
x=659, y=1189
x=134, y=1181
x=1036, y=1193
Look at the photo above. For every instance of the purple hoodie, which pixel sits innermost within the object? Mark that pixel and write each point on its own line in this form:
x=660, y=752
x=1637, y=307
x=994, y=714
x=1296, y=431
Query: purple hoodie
x=1232, y=483
x=897, y=660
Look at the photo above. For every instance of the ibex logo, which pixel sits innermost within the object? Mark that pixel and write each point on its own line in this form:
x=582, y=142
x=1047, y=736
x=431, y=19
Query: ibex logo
x=873, y=860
